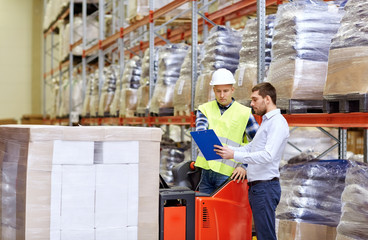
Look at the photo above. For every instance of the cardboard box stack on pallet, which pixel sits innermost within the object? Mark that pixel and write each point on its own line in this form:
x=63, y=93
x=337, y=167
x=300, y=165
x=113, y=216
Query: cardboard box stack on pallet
x=79, y=182
x=355, y=141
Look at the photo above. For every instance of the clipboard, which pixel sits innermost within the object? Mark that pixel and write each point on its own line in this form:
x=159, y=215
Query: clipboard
x=205, y=140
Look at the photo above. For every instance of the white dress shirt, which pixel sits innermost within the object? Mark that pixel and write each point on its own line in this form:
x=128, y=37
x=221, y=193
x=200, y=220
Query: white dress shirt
x=264, y=152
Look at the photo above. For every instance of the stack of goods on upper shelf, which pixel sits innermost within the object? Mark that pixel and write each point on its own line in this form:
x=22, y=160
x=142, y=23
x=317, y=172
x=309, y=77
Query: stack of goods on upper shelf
x=91, y=37
x=348, y=61
x=246, y=74
x=108, y=91
x=91, y=183
x=220, y=50
x=130, y=84
x=171, y=58
x=54, y=9
x=354, y=219
x=143, y=90
x=137, y=9
x=220, y=4
x=300, y=45
x=311, y=193
x=183, y=87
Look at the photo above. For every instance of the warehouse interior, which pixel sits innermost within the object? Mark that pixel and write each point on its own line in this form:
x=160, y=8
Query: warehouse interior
x=99, y=99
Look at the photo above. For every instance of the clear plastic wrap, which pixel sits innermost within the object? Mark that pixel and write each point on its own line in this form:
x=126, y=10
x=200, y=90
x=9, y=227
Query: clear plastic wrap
x=108, y=91
x=220, y=50
x=183, y=87
x=311, y=192
x=143, y=90
x=171, y=58
x=348, y=61
x=300, y=46
x=246, y=74
x=354, y=219
x=354, y=27
x=130, y=84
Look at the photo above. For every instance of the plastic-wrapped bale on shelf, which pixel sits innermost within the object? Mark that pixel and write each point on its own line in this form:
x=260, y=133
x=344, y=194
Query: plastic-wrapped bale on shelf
x=246, y=74
x=183, y=87
x=76, y=96
x=311, y=191
x=92, y=36
x=130, y=84
x=108, y=91
x=220, y=50
x=137, y=9
x=55, y=91
x=90, y=103
x=300, y=47
x=354, y=219
x=348, y=60
x=143, y=90
x=171, y=58
x=61, y=182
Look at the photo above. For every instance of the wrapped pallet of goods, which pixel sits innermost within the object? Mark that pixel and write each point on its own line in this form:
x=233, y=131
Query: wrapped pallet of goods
x=90, y=102
x=108, y=91
x=137, y=9
x=348, y=59
x=170, y=60
x=91, y=37
x=130, y=84
x=354, y=219
x=220, y=50
x=300, y=46
x=311, y=193
x=183, y=87
x=143, y=90
x=55, y=103
x=246, y=74
x=54, y=9
x=97, y=183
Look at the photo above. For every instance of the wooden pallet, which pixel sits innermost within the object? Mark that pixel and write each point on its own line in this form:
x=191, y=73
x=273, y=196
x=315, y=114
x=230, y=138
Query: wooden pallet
x=345, y=103
x=290, y=106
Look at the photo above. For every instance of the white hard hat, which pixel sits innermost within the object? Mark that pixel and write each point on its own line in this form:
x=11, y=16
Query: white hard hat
x=222, y=76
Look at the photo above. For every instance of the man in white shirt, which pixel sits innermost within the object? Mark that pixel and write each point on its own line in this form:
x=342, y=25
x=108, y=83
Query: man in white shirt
x=263, y=157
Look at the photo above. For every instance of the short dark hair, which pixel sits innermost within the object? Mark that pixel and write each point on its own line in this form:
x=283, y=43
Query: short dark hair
x=265, y=89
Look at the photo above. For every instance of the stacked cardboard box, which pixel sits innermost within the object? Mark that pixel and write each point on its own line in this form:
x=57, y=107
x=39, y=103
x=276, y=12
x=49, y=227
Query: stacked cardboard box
x=355, y=141
x=79, y=182
x=291, y=230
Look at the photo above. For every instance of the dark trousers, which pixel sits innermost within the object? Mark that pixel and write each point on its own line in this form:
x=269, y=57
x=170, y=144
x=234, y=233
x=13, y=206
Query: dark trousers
x=210, y=181
x=264, y=198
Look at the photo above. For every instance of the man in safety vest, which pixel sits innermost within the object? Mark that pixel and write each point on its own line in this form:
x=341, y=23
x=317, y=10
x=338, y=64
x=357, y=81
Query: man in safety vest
x=232, y=123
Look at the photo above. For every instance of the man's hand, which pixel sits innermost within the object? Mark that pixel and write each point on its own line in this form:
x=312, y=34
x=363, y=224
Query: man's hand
x=239, y=173
x=224, y=152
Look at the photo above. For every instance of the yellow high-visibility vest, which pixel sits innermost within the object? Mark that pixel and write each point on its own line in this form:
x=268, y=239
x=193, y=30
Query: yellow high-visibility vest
x=229, y=127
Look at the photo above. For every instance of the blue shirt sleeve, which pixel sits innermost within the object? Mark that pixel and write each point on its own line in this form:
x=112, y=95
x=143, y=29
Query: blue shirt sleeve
x=201, y=121
x=252, y=127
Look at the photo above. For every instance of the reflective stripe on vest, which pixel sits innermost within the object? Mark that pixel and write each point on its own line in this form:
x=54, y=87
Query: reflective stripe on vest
x=229, y=127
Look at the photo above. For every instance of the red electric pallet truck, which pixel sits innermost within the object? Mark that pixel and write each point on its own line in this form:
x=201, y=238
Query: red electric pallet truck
x=189, y=215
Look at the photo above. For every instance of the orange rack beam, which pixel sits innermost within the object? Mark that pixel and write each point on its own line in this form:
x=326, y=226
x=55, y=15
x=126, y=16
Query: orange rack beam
x=343, y=120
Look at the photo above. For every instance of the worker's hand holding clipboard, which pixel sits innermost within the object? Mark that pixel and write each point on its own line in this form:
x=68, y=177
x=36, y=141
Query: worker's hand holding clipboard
x=206, y=140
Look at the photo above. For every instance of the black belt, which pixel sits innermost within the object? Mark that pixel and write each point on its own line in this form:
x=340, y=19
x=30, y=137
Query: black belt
x=250, y=184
